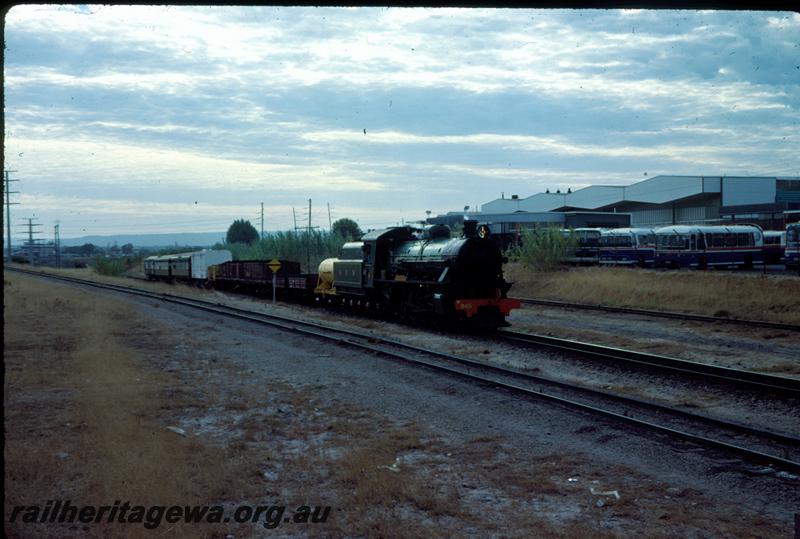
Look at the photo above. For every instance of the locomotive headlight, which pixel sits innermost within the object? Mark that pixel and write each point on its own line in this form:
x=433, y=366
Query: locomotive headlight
x=483, y=231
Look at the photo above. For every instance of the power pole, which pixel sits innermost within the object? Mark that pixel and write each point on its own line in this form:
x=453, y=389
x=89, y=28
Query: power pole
x=262, y=220
x=294, y=216
x=330, y=226
x=8, y=209
x=308, y=239
x=31, y=242
x=57, y=244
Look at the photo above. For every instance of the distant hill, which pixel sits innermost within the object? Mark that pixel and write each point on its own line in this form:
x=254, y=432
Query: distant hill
x=197, y=239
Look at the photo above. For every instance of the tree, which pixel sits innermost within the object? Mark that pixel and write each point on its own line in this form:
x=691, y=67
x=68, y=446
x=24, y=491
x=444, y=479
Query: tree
x=242, y=231
x=347, y=228
x=127, y=248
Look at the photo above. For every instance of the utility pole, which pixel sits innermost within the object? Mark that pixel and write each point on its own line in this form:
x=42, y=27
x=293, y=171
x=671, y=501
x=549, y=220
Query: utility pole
x=294, y=216
x=8, y=209
x=308, y=239
x=31, y=242
x=57, y=244
x=330, y=226
x=262, y=220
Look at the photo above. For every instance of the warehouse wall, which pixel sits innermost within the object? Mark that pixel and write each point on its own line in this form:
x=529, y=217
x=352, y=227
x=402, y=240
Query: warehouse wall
x=741, y=191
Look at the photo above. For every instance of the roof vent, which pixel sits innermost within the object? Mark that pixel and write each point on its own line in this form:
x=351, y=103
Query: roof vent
x=514, y=197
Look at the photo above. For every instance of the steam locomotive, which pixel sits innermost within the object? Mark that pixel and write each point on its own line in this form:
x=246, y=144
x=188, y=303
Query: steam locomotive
x=422, y=273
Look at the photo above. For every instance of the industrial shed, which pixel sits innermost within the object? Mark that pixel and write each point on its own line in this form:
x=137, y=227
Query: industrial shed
x=670, y=200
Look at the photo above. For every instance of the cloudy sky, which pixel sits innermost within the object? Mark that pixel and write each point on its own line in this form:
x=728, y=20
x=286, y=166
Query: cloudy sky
x=141, y=119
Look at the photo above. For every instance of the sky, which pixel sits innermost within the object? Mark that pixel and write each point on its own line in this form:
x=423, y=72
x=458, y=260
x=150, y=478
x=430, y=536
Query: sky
x=146, y=119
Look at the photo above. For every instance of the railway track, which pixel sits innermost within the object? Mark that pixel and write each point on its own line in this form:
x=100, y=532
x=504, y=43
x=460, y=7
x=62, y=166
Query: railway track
x=752, y=380
x=777, y=451
x=662, y=314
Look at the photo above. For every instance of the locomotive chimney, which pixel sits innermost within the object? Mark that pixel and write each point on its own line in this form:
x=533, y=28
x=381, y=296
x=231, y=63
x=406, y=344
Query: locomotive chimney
x=470, y=226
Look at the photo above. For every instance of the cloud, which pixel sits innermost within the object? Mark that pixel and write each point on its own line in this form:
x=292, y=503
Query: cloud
x=152, y=164
x=528, y=143
x=456, y=103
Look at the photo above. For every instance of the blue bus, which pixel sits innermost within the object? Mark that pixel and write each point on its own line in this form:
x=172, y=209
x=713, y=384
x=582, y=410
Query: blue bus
x=709, y=246
x=588, y=246
x=628, y=246
x=791, y=256
x=774, y=246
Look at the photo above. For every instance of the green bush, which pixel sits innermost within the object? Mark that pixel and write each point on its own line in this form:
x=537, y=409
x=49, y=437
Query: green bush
x=109, y=266
x=543, y=248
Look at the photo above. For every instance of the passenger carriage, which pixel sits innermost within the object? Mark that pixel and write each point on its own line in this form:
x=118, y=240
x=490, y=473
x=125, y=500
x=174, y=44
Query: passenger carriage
x=709, y=246
x=628, y=246
x=791, y=256
x=191, y=267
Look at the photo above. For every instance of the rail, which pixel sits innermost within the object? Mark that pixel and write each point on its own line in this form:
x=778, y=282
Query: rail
x=662, y=314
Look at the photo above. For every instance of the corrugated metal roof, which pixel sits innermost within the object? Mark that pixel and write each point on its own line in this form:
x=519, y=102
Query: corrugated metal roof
x=655, y=190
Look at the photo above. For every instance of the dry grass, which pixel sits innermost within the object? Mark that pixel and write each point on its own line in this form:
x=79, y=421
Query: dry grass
x=82, y=415
x=745, y=295
x=90, y=274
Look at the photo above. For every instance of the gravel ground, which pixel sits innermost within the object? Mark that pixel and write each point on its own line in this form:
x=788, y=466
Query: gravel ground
x=481, y=444
x=711, y=399
x=758, y=349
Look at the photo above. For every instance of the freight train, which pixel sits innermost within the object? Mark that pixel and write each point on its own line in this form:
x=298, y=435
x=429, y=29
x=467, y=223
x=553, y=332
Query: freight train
x=404, y=272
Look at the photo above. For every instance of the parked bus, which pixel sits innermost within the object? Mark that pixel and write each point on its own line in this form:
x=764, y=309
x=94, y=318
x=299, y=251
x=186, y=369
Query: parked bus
x=709, y=246
x=628, y=246
x=588, y=249
x=774, y=246
x=791, y=255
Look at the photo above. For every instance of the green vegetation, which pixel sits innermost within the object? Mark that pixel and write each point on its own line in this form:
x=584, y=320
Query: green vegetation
x=307, y=248
x=113, y=266
x=542, y=249
x=172, y=250
x=241, y=231
x=347, y=228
